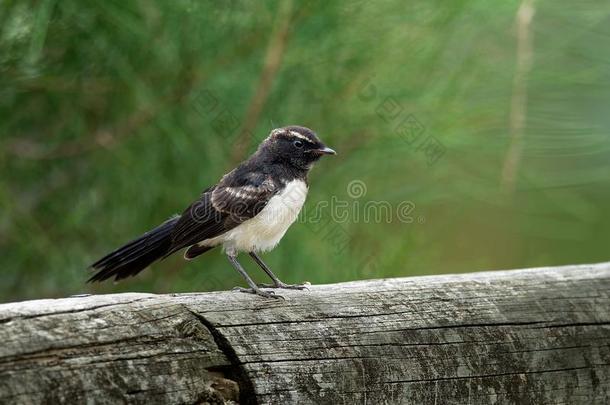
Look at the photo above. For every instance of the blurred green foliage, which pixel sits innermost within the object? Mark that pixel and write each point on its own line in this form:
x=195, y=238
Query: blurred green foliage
x=111, y=119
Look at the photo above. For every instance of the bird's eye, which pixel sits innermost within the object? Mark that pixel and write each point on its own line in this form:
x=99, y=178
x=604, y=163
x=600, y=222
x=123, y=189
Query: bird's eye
x=298, y=144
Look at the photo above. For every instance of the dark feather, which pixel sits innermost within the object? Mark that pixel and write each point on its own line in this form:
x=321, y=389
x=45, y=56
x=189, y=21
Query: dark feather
x=136, y=255
x=237, y=197
x=195, y=251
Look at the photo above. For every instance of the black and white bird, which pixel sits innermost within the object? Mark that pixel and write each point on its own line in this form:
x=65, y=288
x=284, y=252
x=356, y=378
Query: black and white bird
x=249, y=210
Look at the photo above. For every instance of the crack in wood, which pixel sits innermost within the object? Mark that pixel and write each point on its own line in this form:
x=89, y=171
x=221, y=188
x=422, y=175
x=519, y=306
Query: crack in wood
x=236, y=371
x=518, y=373
x=75, y=311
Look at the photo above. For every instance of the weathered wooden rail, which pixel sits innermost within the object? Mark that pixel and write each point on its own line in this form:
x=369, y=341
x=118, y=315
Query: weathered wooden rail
x=538, y=336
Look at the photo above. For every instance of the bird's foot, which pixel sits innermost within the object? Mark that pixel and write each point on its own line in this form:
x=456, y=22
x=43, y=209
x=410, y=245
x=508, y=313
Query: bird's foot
x=304, y=286
x=257, y=291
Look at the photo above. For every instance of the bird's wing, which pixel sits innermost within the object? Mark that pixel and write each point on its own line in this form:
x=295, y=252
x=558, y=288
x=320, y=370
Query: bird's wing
x=235, y=199
x=242, y=197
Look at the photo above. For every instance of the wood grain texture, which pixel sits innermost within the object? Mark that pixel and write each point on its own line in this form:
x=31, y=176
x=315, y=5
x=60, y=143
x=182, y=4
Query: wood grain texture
x=539, y=336
x=108, y=349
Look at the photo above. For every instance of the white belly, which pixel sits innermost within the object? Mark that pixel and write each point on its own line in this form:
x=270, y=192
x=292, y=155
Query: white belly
x=264, y=231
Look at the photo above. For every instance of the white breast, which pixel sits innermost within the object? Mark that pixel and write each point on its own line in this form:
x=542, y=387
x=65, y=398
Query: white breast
x=265, y=230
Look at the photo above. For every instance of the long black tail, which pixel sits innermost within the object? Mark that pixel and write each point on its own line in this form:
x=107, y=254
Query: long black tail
x=135, y=256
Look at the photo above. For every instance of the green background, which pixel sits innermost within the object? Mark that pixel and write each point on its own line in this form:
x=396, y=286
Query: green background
x=116, y=114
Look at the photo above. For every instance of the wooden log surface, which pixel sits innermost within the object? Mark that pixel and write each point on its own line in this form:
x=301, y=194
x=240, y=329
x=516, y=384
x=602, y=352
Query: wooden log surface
x=536, y=336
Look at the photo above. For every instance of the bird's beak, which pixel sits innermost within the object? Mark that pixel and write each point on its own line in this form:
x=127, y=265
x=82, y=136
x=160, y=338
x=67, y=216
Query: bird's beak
x=327, y=151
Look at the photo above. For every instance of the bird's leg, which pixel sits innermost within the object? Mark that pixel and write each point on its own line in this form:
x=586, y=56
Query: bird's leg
x=277, y=283
x=253, y=287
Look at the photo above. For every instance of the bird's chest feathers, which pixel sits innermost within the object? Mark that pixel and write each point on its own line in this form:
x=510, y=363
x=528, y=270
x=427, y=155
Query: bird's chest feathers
x=265, y=230
x=285, y=206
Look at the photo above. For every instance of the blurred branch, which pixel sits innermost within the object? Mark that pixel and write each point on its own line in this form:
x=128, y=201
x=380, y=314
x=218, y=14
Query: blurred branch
x=273, y=60
x=518, y=105
x=41, y=25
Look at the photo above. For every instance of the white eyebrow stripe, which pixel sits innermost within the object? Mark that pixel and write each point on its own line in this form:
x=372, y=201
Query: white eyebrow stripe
x=297, y=135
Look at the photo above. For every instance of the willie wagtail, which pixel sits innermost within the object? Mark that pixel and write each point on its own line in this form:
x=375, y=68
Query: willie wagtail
x=249, y=210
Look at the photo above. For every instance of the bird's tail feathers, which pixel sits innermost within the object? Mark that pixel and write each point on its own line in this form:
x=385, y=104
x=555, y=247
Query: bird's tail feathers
x=136, y=255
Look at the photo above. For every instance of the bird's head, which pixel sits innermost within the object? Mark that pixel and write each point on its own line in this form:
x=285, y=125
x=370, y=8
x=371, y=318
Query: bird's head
x=298, y=146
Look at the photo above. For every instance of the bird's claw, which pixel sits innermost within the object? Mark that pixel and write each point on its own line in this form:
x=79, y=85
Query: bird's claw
x=304, y=286
x=256, y=291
